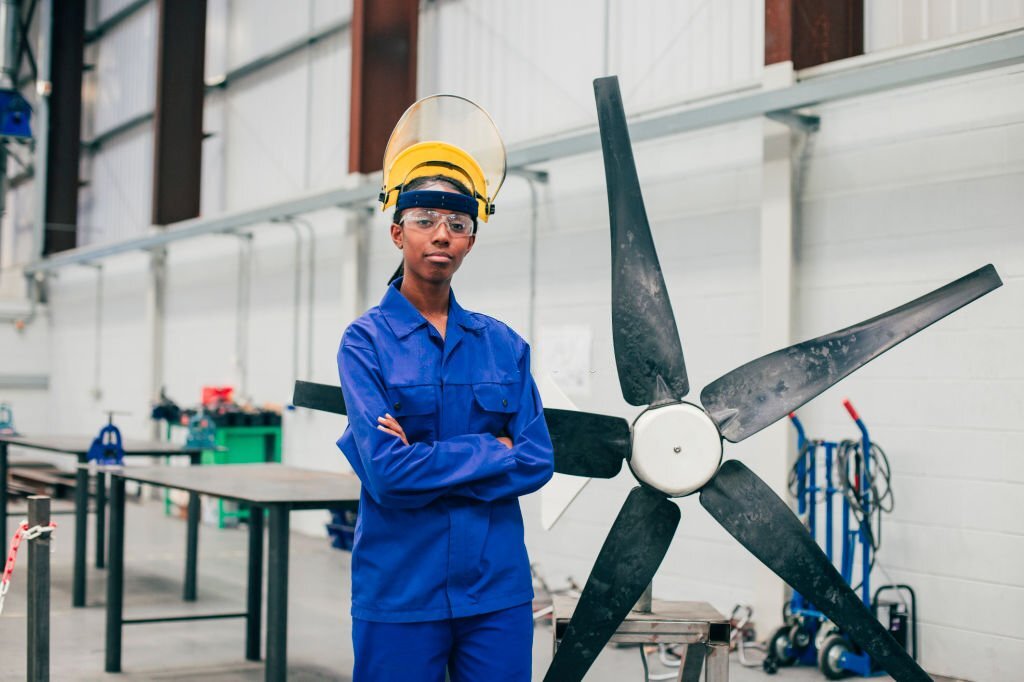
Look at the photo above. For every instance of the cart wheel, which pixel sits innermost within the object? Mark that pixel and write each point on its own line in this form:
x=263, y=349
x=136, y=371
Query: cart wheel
x=778, y=645
x=832, y=650
x=770, y=666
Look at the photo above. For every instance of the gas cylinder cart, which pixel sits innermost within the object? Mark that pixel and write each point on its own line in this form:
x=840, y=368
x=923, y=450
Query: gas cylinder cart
x=849, y=478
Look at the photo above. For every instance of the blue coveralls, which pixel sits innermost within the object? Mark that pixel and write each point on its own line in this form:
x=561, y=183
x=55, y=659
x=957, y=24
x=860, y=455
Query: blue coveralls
x=439, y=567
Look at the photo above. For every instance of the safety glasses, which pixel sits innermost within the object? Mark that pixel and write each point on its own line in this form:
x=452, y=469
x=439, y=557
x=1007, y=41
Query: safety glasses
x=424, y=220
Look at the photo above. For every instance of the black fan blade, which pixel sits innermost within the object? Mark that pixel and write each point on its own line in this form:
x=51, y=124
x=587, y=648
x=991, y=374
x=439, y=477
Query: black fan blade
x=753, y=514
x=761, y=392
x=631, y=554
x=646, y=340
x=693, y=663
x=318, y=397
x=592, y=445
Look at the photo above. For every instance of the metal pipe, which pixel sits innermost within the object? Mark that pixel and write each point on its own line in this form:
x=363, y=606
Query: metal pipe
x=242, y=314
x=101, y=517
x=115, y=576
x=296, y=295
x=191, y=547
x=81, y=531
x=277, y=594
x=42, y=125
x=310, y=290
x=38, y=610
x=97, y=391
x=532, y=179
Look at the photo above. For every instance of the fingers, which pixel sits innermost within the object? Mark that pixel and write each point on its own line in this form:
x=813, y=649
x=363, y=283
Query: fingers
x=390, y=425
x=504, y=440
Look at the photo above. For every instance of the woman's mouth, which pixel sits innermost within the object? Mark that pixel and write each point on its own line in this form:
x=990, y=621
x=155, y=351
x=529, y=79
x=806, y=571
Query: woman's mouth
x=439, y=257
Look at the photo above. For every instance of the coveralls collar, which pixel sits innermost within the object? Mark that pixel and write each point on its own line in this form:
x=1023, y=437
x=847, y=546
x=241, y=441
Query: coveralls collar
x=403, y=317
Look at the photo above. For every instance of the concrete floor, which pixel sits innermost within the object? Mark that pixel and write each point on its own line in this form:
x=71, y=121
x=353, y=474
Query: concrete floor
x=319, y=647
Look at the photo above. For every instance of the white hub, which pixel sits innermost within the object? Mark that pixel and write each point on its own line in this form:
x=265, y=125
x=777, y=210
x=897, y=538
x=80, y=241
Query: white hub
x=676, y=448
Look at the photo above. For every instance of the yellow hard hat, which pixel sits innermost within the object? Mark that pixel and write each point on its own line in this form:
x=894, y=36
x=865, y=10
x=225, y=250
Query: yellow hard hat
x=445, y=135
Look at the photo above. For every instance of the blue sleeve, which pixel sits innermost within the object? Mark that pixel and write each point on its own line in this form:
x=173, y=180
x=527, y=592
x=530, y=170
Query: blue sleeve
x=531, y=447
x=398, y=475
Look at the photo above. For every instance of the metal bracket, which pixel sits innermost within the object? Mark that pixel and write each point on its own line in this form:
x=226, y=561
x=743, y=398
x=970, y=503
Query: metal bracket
x=801, y=123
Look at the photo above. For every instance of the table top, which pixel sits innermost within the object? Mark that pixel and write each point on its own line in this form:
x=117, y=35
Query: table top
x=79, y=445
x=661, y=610
x=259, y=484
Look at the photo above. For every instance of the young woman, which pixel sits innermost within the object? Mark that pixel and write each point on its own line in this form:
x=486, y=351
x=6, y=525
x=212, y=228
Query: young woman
x=446, y=431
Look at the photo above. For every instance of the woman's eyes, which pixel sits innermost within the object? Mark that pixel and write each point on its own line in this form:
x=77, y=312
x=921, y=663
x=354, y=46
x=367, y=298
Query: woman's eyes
x=424, y=223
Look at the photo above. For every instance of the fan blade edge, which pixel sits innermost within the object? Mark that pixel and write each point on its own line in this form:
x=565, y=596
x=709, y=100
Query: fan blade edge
x=648, y=352
x=748, y=509
x=628, y=560
x=762, y=391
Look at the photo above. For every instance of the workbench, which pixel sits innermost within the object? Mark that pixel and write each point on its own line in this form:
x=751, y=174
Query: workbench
x=78, y=447
x=275, y=488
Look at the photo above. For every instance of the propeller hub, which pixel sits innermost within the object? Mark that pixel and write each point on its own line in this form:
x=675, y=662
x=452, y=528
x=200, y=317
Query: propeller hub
x=676, y=448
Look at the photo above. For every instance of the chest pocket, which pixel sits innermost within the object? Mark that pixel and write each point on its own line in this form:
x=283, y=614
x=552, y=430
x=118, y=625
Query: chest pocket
x=495, y=404
x=415, y=408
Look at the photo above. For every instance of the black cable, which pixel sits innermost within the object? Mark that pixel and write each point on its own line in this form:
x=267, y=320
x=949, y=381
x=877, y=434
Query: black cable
x=867, y=515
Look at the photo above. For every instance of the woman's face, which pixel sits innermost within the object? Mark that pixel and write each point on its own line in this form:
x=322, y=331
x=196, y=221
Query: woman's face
x=434, y=255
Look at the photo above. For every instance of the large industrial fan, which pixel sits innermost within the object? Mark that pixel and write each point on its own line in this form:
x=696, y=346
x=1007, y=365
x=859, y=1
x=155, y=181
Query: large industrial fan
x=674, y=448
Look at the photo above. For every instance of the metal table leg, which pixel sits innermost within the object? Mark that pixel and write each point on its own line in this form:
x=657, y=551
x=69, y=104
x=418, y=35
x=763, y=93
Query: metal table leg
x=101, y=518
x=81, y=532
x=718, y=663
x=3, y=496
x=115, y=576
x=254, y=590
x=277, y=595
x=191, y=547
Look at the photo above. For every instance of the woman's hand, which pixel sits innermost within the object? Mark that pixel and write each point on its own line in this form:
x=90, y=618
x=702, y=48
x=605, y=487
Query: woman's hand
x=389, y=424
x=506, y=441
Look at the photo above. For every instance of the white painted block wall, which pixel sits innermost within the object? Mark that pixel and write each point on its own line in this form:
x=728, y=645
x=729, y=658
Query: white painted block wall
x=906, y=191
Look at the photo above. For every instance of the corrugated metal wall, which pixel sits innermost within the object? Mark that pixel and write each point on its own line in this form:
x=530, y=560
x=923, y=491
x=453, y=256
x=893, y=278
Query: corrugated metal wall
x=531, y=63
x=898, y=23
x=116, y=199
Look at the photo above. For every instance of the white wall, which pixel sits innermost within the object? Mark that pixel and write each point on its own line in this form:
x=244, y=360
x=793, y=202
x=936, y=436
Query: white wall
x=905, y=192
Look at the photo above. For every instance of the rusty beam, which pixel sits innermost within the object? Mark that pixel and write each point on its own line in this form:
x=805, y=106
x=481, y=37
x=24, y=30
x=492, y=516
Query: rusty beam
x=383, y=76
x=178, y=118
x=63, y=141
x=812, y=32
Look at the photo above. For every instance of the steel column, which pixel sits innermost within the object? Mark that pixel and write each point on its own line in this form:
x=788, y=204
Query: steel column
x=81, y=532
x=254, y=588
x=178, y=119
x=115, y=576
x=383, y=52
x=191, y=548
x=277, y=595
x=811, y=32
x=717, y=669
x=38, y=612
x=65, y=126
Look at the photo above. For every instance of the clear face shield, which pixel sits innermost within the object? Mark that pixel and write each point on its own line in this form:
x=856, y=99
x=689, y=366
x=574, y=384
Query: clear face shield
x=445, y=135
